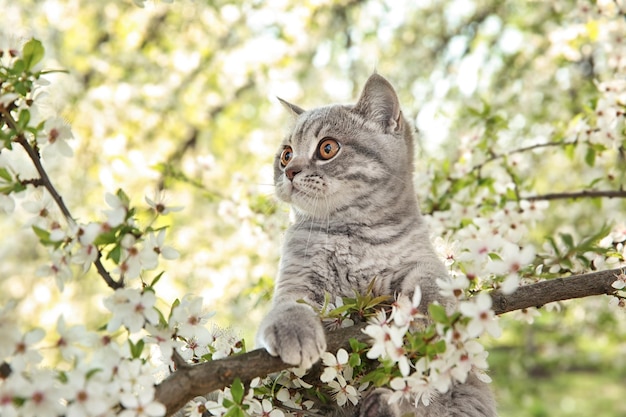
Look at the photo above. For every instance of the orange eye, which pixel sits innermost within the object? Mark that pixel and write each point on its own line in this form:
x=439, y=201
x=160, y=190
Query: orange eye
x=286, y=156
x=328, y=148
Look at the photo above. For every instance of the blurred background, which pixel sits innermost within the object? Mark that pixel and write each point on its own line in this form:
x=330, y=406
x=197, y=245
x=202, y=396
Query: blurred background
x=179, y=100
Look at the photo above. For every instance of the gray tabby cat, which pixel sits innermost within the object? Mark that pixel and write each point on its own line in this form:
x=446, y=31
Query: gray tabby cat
x=347, y=172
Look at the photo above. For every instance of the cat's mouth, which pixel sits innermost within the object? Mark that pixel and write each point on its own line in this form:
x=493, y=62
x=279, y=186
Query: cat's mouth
x=309, y=193
x=309, y=185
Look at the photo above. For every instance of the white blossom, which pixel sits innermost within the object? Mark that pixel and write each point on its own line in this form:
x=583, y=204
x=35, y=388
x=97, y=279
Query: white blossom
x=163, y=338
x=410, y=388
x=132, y=308
x=41, y=209
x=42, y=396
x=117, y=214
x=159, y=206
x=23, y=352
x=153, y=248
x=53, y=141
x=72, y=340
x=58, y=267
x=343, y=392
x=404, y=311
x=453, y=287
x=265, y=409
x=134, y=376
x=482, y=317
x=189, y=318
x=513, y=259
x=620, y=282
x=141, y=404
x=335, y=365
x=130, y=264
x=86, y=397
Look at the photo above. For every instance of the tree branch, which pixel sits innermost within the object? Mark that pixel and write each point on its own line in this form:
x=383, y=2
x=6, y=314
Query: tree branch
x=557, y=289
x=188, y=382
x=44, y=181
x=578, y=194
x=495, y=156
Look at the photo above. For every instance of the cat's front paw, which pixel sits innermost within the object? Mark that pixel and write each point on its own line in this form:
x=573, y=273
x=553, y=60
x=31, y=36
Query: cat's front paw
x=376, y=404
x=295, y=334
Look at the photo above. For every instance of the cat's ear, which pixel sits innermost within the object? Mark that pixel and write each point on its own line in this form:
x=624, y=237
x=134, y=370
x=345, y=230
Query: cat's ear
x=379, y=102
x=295, y=110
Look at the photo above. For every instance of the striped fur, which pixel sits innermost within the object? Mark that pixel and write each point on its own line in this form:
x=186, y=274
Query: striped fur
x=356, y=220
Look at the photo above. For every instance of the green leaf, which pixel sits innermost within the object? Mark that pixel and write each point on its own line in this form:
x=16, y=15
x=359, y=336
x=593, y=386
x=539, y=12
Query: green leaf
x=568, y=240
x=175, y=304
x=32, y=53
x=123, y=197
x=42, y=234
x=235, y=411
x=357, y=346
x=106, y=238
x=162, y=319
x=18, y=67
x=237, y=391
x=62, y=377
x=23, y=118
x=436, y=348
x=92, y=372
x=21, y=88
x=136, y=349
x=355, y=360
x=44, y=237
x=115, y=254
x=438, y=313
x=379, y=376
x=156, y=279
x=590, y=157
x=5, y=175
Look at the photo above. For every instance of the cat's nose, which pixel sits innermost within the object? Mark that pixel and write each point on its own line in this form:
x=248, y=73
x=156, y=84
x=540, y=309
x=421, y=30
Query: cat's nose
x=292, y=172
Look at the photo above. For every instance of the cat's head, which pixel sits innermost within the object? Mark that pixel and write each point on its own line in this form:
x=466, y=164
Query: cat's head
x=337, y=157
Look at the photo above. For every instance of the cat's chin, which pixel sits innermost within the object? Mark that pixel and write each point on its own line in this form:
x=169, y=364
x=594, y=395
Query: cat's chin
x=311, y=211
x=309, y=203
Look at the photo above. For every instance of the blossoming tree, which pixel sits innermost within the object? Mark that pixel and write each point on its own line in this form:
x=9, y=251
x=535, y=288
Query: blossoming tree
x=514, y=231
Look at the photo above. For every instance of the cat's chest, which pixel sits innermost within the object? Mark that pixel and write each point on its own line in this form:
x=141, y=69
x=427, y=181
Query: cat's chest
x=356, y=256
x=349, y=263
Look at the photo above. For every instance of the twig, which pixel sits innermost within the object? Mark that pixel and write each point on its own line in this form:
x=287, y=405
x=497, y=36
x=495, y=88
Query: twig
x=495, y=156
x=44, y=181
x=5, y=370
x=186, y=383
x=34, y=156
x=578, y=194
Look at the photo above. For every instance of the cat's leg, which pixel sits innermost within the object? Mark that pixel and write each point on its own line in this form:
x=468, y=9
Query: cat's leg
x=471, y=399
x=474, y=398
x=376, y=404
x=294, y=332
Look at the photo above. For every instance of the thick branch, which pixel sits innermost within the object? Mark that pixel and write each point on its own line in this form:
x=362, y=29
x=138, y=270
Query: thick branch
x=557, y=289
x=189, y=382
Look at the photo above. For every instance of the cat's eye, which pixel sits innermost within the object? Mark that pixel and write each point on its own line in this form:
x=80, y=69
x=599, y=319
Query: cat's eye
x=328, y=148
x=286, y=156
